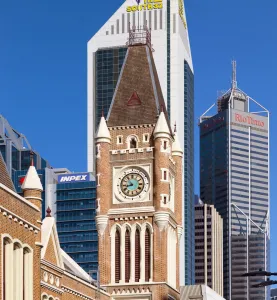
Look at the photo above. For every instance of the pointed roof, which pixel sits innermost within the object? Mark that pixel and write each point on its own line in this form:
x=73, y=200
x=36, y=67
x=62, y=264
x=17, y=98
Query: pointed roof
x=138, y=95
x=103, y=133
x=162, y=128
x=176, y=146
x=51, y=244
x=5, y=178
x=32, y=180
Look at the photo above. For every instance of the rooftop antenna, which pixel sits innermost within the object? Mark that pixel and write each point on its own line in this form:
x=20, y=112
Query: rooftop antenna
x=234, y=76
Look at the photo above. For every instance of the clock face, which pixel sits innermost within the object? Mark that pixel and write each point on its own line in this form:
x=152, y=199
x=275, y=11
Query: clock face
x=132, y=184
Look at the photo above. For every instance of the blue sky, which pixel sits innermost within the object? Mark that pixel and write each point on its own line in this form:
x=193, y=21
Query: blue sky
x=43, y=68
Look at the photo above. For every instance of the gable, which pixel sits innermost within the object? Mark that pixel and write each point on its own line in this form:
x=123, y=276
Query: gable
x=51, y=250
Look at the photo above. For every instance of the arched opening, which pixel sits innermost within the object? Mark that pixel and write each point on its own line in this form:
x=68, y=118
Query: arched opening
x=137, y=256
x=147, y=254
x=117, y=256
x=18, y=270
x=133, y=143
x=127, y=256
x=28, y=273
x=7, y=278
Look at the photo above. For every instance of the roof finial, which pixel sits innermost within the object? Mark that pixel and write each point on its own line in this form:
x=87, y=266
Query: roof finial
x=234, y=76
x=48, y=212
x=102, y=112
x=32, y=158
x=175, y=127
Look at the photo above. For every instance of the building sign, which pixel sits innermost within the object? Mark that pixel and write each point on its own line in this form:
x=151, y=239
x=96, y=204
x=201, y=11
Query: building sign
x=182, y=12
x=146, y=5
x=249, y=120
x=81, y=177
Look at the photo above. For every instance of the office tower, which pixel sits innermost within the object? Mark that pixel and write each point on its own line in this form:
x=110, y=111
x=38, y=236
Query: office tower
x=16, y=150
x=172, y=55
x=75, y=217
x=234, y=177
x=273, y=294
x=139, y=185
x=209, y=247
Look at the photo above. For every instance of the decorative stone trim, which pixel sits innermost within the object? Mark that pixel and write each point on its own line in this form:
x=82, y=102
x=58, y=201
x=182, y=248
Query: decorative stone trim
x=179, y=232
x=101, y=223
x=51, y=288
x=131, y=210
x=162, y=220
x=172, y=160
x=22, y=222
x=132, y=291
x=132, y=127
x=54, y=267
x=133, y=150
x=132, y=218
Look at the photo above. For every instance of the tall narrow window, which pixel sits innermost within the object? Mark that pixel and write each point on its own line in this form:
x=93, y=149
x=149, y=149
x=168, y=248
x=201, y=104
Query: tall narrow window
x=127, y=256
x=133, y=143
x=8, y=270
x=147, y=254
x=4, y=271
x=137, y=256
x=18, y=271
x=28, y=274
x=117, y=256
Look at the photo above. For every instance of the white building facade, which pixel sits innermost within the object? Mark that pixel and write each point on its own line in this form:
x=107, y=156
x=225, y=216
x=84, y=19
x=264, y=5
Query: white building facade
x=170, y=41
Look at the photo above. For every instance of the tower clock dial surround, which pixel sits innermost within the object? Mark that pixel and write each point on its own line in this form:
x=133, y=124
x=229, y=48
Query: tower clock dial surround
x=132, y=185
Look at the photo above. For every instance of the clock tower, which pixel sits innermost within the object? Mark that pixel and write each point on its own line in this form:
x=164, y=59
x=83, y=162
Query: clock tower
x=139, y=184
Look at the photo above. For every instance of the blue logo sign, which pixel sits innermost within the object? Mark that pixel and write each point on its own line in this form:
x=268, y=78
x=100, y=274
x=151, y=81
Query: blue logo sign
x=80, y=177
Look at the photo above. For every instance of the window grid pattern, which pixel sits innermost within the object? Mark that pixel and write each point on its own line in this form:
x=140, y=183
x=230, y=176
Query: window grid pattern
x=108, y=64
x=189, y=173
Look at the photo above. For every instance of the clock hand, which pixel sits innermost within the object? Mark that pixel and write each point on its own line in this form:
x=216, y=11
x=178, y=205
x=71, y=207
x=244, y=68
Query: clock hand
x=131, y=184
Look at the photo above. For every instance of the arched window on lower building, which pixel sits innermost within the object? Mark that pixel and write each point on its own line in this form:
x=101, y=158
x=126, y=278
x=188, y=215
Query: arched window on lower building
x=137, y=256
x=18, y=270
x=117, y=256
x=7, y=278
x=127, y=255
x=147, y=254
x=28, y=273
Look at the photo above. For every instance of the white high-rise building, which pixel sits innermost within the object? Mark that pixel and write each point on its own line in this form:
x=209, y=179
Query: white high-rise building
x=106, y=53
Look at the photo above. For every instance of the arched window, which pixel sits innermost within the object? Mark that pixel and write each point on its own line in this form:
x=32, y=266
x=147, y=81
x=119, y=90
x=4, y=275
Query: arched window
x=127, y=255
x=133, y=143
x=28, y=273
x=147, y=254
x=117, y=256
x=7, y=269
x=18, y=270
x=137, y=256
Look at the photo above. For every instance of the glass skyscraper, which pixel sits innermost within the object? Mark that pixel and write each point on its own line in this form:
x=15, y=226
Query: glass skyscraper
x=172, y=56
x=234, y=176
x=108, y=66
x=75, y=217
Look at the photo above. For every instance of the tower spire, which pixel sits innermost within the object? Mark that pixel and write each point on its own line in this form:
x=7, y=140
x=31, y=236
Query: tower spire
x=234, y=75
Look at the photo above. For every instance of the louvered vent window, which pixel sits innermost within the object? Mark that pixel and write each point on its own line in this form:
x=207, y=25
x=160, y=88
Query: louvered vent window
x=137, y=256
x=127, y=256
x=117, y=256
x=147, y=255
